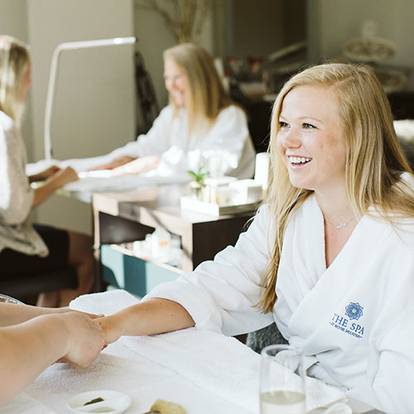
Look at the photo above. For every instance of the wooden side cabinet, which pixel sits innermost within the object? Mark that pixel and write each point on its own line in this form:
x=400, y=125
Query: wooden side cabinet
x=125, y=217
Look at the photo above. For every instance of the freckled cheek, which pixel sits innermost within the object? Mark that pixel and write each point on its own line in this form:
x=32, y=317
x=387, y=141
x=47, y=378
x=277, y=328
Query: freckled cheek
x=280, y=144
x=281, y=140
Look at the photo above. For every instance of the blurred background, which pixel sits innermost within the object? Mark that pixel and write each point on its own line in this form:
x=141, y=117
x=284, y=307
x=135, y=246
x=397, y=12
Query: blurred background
x=105, y=96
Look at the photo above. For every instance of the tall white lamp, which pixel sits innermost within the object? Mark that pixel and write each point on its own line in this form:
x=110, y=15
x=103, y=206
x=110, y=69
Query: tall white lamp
x=83, y=44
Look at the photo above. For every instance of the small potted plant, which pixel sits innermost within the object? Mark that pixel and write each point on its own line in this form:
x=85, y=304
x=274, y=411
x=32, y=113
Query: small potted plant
x=198, y=182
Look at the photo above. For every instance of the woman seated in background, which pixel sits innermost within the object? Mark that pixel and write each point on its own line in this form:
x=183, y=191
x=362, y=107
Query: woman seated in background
x=32, y=338
x=200, y=127
x=26, y=248
x=330, y=258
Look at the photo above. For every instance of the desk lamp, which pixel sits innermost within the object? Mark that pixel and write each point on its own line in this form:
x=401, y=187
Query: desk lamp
x=83, y=44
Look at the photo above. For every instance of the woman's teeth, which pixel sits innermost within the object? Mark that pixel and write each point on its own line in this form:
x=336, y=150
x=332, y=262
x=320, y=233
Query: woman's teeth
x=299, y=160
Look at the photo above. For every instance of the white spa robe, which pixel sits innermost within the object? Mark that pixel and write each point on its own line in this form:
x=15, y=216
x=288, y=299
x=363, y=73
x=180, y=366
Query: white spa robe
x=354, y=319
x=16, y=196
x=226, y=143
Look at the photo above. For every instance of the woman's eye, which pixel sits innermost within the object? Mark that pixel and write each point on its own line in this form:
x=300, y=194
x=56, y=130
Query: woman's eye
x=306, y=125
x=282, y=124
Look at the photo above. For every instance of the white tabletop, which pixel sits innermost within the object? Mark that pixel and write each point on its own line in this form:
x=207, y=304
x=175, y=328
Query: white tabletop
x=205, y=372
x=121, y=369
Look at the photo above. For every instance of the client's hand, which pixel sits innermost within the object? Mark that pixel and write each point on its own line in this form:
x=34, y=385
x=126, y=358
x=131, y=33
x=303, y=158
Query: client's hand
x=85, y=338
x=45, y=174
x=65, y=176
x=111, y=330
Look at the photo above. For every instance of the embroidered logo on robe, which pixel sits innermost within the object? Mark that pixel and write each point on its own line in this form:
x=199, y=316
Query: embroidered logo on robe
x=354, y=310
x=345, y=323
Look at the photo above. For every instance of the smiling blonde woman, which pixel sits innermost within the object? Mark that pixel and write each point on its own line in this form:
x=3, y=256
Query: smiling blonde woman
x=329, y=258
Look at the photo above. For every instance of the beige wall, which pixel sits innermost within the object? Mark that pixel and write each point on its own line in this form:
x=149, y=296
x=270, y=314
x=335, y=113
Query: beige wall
x=94, y=109
x=154, y=37
x=13, y=21
x=335, y=21
x=94, y=104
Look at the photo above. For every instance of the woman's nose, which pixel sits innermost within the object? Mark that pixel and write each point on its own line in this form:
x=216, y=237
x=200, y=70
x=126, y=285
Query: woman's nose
x=291, y=139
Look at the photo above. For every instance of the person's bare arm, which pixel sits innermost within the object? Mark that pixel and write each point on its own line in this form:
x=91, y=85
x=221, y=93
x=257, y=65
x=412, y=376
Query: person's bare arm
x=12, y=314
x=150, y=317
x=118, y=162
x=52, y=184
x=137, y=166
x=27, y=349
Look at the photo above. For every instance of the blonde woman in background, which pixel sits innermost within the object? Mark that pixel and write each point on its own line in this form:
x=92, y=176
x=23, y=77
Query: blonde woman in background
x=329, y=258
x=200, y=125
x=25, y=248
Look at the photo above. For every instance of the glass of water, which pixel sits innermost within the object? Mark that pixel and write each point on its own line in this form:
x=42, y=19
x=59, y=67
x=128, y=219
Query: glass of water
x=282, y=381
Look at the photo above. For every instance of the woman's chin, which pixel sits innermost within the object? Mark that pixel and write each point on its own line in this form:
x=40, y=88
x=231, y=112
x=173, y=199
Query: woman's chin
x=301, y=184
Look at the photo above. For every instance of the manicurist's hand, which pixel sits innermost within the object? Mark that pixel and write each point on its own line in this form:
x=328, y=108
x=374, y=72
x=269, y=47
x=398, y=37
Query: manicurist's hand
x=54, y=183
x=85, y=338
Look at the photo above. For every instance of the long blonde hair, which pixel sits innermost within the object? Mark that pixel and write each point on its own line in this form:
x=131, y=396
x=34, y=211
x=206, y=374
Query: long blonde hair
x=14, y=57
x=374, y=159
x=206, y=95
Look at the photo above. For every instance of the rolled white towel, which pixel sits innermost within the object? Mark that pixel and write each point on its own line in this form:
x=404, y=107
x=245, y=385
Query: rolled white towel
x=404, y=129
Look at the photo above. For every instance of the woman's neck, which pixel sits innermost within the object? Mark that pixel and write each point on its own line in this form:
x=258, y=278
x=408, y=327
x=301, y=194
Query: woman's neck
x=335, y=206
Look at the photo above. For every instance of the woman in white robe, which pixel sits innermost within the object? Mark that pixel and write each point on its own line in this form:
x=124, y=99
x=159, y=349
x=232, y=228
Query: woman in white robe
x=26, y=248
x=329, y=258
x=200, y=127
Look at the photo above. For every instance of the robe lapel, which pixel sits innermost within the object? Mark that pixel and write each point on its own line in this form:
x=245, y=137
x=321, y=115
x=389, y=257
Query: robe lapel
x=306, y=289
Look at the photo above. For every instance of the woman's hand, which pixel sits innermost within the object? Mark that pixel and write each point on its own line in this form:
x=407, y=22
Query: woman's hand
x=64, y=176
x=85, y=338
x=54, y=183
x=44, y=175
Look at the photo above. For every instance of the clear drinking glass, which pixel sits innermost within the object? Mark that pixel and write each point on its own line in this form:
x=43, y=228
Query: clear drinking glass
x=282, y=381
x=8, y=299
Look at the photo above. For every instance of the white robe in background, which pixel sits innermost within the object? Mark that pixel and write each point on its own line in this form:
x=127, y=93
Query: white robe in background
x=226, y=142
x=355, y=320
x=16, y=195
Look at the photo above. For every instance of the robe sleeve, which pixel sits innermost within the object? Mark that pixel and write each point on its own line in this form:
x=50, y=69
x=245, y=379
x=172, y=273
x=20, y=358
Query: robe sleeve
x=154, y=142
x=229, y=142
x=222, y=295
x=393, y=382
x=16, y=196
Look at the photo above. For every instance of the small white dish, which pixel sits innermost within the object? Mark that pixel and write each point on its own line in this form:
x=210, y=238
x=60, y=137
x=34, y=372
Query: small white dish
x=114, y=402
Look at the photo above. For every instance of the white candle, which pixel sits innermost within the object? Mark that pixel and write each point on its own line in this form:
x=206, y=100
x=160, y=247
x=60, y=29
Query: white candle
x=261, y=172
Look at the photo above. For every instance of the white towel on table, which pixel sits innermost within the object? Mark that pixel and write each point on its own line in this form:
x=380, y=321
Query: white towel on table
x=208, y=359
x=25, y=404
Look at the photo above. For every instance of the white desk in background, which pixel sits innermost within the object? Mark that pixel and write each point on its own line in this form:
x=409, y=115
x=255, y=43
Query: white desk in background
x=102, y=181
x=205, y=372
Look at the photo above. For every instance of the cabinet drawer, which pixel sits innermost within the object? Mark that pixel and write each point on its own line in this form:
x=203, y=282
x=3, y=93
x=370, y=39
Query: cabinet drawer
x=121, y=269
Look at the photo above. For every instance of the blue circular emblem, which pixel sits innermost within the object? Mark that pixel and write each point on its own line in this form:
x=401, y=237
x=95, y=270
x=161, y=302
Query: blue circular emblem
x=354, y=310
